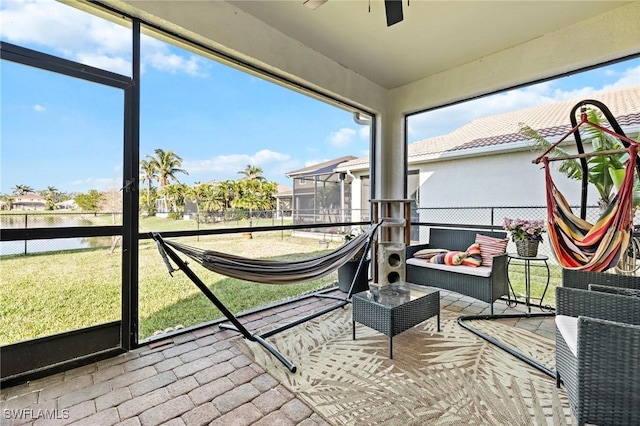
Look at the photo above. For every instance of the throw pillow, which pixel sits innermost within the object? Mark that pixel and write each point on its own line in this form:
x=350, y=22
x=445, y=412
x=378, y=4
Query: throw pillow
x=452, y=258
x=428, y=253
x=490, y=247
x=474, y=257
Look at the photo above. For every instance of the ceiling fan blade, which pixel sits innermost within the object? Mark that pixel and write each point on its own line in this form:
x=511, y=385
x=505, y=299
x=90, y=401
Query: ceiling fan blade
x=394, y=11
x=314, y=4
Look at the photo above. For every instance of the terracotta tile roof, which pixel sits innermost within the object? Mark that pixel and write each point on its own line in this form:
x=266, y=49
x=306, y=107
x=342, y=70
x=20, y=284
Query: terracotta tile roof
x=551, y=120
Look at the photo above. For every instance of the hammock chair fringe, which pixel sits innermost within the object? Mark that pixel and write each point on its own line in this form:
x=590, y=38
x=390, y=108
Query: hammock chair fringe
x=576, y=243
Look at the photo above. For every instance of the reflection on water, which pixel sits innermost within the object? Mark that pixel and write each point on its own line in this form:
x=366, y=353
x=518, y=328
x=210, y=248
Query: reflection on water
x=56, y=244
x=48, y=221
x=42, y=220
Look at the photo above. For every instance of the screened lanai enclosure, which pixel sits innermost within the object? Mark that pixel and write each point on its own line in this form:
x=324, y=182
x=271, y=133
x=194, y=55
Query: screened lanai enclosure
x=341, y=57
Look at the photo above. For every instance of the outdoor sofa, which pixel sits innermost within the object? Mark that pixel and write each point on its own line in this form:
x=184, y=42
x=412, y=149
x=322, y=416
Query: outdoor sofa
x=598, y=353
x=483, y=283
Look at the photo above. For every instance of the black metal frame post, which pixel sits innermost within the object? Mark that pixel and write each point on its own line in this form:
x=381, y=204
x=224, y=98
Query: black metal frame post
x=527, y=271
x=236, y=325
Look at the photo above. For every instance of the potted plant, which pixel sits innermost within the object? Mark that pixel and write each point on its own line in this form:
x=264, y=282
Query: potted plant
x=527, y=234
x=347, y=272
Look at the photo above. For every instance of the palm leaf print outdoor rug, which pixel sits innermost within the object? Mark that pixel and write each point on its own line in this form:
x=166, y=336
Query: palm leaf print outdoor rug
x=449, y=377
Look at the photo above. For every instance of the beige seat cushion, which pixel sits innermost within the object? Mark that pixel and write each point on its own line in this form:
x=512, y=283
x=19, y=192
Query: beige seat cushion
x=481, y=271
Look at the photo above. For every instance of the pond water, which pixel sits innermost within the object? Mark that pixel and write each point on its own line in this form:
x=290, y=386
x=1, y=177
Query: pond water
x=48, y=221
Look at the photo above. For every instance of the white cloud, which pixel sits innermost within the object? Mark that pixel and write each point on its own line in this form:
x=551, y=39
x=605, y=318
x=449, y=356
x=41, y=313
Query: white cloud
x=445, y=120
x=266, y=156
x=162, y=60
x=223, y=167
x=39, y=108
x=99, y=184
x=79, y=36
x=342, y=137
x=364, y=132
x=314, y=161
x=118, y=65
x=630, y=77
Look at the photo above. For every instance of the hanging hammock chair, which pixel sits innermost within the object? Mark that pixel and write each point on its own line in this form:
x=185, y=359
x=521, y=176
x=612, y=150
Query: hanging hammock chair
x=578, y=244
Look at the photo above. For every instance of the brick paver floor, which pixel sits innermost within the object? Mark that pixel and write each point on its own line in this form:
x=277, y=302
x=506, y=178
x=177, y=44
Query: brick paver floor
x=194, y=378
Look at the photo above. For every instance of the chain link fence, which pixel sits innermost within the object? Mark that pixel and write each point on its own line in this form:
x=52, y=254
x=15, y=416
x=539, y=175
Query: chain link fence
x=35, y=220
x=490, y=217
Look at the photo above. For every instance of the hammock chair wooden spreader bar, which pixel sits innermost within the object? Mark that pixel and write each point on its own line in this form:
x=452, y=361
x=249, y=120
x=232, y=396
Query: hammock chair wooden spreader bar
x=267, y=272
x=576, y=243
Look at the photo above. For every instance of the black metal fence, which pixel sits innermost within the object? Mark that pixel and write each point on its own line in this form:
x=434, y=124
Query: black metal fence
x=490, y=217
x=319, y=221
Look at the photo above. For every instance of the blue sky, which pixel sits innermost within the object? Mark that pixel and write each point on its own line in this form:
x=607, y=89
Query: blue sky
x=66, y=133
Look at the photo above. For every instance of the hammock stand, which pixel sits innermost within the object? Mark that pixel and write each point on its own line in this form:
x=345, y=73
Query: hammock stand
x=576, y=243
x=166, y=249
x=630, y=146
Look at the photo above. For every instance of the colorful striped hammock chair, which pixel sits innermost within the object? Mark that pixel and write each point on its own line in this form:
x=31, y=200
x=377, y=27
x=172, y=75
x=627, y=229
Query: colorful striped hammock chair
x=576, y=243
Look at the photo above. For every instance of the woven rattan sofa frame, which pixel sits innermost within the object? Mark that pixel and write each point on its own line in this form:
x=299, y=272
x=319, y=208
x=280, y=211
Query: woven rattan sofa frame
x=487, y=289
x=603, y=381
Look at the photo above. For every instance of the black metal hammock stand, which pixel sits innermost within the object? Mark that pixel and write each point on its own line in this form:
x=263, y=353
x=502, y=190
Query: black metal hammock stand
x=266, y=272
x=629, y=147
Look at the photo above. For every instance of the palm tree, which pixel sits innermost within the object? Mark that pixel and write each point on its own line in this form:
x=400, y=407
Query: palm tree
x=165, y=165
x=204, y=197
x=51, y=197
x=148, y=172
x=602, y=169
x=175, y=194
x=22, y=189
x=225, y=193
x=252, y=173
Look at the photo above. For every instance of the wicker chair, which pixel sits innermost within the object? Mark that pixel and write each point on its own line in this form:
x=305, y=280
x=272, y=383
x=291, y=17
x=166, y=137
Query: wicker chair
x=581, y=279
x=615, y=290
x=603, y=379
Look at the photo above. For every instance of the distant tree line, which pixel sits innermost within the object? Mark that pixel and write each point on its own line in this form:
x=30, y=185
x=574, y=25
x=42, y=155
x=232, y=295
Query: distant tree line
x=51, y=196
x=159, y=182
x=251, y=192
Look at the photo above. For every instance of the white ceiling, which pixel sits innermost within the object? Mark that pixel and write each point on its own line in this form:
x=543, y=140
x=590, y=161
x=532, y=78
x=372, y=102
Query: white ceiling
x=433, y=37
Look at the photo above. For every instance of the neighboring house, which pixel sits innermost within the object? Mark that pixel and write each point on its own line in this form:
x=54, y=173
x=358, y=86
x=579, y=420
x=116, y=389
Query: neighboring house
x=29, y=202
x=320, y=194
x=488, y=162
x=284, y=199
x=66, y=205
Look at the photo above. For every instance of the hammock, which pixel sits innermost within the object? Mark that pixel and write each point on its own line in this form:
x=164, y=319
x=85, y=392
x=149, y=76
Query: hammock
x=578, y=244
x=268, y=272
x=272, y=271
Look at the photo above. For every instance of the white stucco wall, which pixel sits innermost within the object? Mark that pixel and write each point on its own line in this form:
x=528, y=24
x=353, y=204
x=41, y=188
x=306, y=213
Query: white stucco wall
x=507, y=179
x=607, y=37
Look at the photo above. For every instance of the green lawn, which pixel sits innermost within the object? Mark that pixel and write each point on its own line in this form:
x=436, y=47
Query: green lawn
x=53, y=292
x=43, y=294
x=538, y=280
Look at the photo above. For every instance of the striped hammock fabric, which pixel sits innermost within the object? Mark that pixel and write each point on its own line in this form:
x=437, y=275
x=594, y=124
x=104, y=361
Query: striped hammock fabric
x=578, y=244
x=272, y=271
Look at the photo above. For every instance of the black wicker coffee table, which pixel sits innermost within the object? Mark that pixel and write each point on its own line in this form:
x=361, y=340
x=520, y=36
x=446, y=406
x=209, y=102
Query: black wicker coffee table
x=395, y=308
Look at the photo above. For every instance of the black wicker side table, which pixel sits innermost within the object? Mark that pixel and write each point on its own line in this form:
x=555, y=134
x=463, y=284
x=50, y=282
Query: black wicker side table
x=395, y=308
